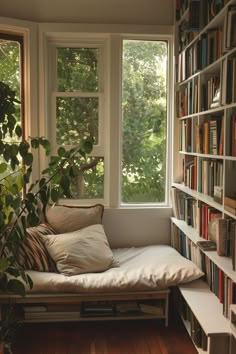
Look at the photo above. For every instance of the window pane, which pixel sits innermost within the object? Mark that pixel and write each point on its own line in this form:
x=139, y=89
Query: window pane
x=10, y=72
x=77, y=69
x=144, y=102
x=88, y=182
x=77, y=117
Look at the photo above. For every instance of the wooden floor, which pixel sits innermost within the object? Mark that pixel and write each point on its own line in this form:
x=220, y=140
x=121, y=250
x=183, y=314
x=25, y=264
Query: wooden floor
x=123, y=337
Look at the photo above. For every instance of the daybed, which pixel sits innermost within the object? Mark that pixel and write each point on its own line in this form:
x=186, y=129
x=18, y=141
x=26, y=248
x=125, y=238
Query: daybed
x=76, y=239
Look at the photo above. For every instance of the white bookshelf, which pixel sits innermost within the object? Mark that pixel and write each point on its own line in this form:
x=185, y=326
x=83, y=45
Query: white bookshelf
x=201, y=300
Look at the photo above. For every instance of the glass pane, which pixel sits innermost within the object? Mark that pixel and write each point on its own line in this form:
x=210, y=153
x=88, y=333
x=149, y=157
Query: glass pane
x=77, y=69
x=144, y=106
x=77, y=117
x=88, y=182
x=10, y=72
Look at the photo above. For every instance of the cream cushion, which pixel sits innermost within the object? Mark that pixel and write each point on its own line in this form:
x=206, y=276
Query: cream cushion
x=147, y=268
x=82, y=251
x=71, y=218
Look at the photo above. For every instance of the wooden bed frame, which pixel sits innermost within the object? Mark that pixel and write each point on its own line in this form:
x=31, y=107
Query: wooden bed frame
x=37, y=299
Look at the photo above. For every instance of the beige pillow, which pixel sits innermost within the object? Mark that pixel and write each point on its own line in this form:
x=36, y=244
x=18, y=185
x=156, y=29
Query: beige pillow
x=70, y=218
x=82, y=251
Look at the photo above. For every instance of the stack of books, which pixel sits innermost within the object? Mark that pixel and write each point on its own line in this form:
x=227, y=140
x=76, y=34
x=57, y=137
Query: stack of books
x=51, y=312
x=97, y=308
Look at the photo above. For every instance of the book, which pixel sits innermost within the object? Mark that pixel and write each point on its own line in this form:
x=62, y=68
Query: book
x=230, y=200
x=127, y=307
x=31, y=308
x=221, y=236
x=152, y=309
x=207, y=245
x=51, y=315
x=230, y=209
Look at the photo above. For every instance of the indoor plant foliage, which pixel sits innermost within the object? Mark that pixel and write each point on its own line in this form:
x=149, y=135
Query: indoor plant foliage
x=21, y=201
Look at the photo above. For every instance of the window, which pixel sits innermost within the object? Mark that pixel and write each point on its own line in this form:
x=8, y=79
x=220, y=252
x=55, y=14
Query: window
x=12, y=71
x=114, y=89
x=144, y=121
x=77, y=110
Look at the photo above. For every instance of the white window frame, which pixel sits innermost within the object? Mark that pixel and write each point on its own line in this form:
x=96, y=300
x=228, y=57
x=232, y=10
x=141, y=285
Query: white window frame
x=116, y=143
x=51, y=43
x=112, y=36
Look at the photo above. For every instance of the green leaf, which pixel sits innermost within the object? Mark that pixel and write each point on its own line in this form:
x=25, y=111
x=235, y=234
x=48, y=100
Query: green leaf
x=65, y=182
x=30, y=196
x=18, y=131
x=55, y=195
x=28, y=158
x=23, y=148
x=45, y=144
x=16, y=286
x=32, y=219
x=4, y=264
x=3, y=167
x=61, y=151
x=35, y=143
x=87, y=145
x=13, y=271
x=9, y=199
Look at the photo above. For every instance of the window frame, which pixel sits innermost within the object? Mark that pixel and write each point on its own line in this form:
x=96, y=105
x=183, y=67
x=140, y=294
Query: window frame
x=28, y=32
x=51, y=42
x=112, y=35
x=169, y=98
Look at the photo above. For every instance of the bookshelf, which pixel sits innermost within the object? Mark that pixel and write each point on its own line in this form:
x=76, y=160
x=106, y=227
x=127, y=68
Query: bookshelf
x=204, y=177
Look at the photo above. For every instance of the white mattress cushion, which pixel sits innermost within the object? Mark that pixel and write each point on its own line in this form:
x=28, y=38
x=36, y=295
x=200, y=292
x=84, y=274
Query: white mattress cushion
x=141, y=269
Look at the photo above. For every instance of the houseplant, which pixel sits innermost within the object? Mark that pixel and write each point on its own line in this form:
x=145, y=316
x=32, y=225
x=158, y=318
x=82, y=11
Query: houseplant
x=22, y=201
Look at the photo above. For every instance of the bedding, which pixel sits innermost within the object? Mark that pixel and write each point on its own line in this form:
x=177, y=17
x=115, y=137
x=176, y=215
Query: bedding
x=147, y=268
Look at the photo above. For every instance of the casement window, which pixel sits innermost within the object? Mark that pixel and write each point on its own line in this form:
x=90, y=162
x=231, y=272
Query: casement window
x=76, y=96
x=144, y=121
x=113, y=88
x=12, y=72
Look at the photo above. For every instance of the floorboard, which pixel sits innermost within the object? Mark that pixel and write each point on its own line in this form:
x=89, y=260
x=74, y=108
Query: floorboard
x=117, y=337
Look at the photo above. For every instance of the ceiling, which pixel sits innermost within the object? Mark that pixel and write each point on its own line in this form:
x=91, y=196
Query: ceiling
x=140, y=12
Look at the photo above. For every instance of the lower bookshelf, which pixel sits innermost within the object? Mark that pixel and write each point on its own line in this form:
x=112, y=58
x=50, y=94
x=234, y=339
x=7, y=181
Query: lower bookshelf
x=32, y=311
x=205, y=308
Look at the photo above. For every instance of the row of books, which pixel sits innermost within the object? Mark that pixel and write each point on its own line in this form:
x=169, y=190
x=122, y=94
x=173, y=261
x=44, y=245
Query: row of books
x=190, y=171
x=208, y=48
x=210, y=135
x=210, y=175
x=186, y=247
x=210, y=93
x=187, y=100
x=222, y=286
x=186, y=135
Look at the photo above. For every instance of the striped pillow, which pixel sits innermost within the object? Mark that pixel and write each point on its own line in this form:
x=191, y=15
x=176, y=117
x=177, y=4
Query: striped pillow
x=32, y=254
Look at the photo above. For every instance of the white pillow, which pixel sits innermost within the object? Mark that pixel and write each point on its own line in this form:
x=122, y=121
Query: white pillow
x=83, y=251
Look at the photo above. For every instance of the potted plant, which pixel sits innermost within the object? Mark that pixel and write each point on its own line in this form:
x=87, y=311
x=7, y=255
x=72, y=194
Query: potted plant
x=22, y=201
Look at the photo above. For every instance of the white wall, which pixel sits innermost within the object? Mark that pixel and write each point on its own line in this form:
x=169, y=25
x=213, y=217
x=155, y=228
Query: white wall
x=150, y=12
x=137, y=227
